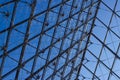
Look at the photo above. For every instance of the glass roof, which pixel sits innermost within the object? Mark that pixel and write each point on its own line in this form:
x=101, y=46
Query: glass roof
x=59, y=40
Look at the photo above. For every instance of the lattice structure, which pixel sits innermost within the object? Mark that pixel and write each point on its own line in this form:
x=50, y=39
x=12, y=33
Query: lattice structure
x=104, y=55
x=59, y=40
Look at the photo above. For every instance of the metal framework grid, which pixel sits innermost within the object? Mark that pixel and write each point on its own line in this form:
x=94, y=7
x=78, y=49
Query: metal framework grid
x=59, y=40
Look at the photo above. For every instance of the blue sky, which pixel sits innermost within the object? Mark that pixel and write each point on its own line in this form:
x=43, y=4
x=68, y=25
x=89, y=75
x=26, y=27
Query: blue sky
x=65, y=27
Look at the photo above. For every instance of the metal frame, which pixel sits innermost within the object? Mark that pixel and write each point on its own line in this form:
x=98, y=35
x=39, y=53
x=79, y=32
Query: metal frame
x=54, y=41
